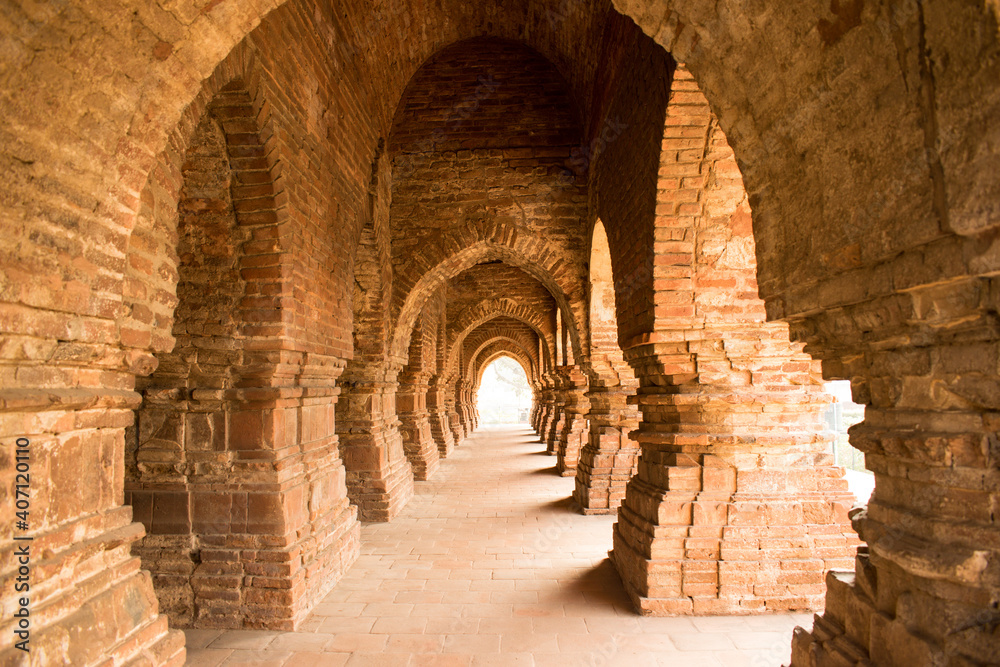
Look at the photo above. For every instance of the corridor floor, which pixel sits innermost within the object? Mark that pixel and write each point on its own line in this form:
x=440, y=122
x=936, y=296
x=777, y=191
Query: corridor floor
x=489, y=565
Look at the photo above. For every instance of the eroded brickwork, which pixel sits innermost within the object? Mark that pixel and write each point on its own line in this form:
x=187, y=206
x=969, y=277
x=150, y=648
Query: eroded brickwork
x=609, y=456
x=736, y=506
x=229, y=229
x=411, y=400
x=435, y=311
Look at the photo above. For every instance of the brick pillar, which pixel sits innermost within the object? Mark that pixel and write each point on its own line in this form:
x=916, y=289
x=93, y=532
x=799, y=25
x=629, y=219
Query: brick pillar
x=207, y=484
x=557, y=420
x=546, y=407
x=926, y=588
x=454, y=423
x=470, y=407
x=541, y=412
x=460, y=418
x=418, y=442
x=379, y=477
x=440, y=426
x=464, y=407
x=81, y=531
x=474, y=407
x=533, y=414
x=609, y=458
x=573, y=435
x=736, y=506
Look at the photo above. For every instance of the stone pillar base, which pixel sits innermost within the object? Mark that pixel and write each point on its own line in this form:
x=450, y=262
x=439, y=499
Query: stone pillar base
x=704, y=551
x=90, y=602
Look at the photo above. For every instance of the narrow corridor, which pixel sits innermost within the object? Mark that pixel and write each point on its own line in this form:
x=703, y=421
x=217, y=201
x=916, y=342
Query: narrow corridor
x=489, y=565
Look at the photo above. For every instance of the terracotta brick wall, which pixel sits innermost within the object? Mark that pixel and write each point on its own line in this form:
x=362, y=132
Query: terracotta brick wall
x=487, y=291
x=625, y=176
x=865, y=135
x=479, y=147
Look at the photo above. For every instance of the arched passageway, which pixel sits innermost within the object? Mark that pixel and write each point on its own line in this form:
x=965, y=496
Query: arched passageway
x=503, y=395
x=252, y=252
x=489, y=563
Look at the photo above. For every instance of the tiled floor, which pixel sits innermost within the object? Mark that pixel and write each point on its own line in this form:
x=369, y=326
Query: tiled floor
x=489, y=565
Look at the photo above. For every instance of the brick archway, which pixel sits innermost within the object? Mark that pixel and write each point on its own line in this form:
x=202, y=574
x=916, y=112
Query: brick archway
x=495, y=244
x=496, y=349
x=474, y=364
x=492, y=351
x=609, y=458
x=876, y=270
x=203, y=451
x=482, y=314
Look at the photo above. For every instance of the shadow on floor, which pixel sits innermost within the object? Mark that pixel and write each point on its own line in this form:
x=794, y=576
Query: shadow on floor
x=601, y=588
x=567, y=504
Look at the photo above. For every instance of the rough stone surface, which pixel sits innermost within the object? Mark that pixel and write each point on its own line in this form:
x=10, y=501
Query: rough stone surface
x=257, y=255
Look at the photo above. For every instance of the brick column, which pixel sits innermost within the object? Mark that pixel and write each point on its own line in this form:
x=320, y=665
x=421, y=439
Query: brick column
x=80, y=529
x=545, y=408
x=379, y=477
x=208, y=483
x=454, y=423
x=925, y=589
x=736, y=506
x=469, y=407
x=465, y=408
x=440, y=426
x=557, y=421
x=573, y=435
x=418, y=442
x=461, y=411
x=609, y=458
x=533, y=414
x=474, y=407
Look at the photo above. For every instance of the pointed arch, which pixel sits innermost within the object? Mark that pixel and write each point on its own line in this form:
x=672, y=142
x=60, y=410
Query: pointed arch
x=510, y=248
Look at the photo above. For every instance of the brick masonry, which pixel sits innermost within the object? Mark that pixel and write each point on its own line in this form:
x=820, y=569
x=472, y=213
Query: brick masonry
x=223, y=223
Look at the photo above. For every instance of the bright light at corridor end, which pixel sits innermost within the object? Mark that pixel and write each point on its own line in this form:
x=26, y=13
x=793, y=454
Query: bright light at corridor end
x=504, y=394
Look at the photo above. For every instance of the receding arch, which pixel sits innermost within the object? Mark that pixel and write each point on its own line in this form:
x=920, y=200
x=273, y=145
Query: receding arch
x=868, y=183
x=469, y=256
x=609, y=458
x=514, y=352
x=603, y=314
x=488, y=313
x=151, y=261
x=474, y=363
x=497, y=351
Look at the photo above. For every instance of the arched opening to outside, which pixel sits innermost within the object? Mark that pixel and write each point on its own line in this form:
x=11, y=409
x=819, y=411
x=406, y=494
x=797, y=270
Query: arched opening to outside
x=841, y=415
x=504, y=393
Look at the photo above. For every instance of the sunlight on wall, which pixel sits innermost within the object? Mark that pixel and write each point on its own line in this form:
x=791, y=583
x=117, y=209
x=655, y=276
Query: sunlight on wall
x=504, y=394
